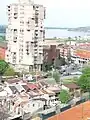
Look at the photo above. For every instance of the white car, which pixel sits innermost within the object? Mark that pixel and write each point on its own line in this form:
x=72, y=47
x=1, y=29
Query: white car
x=76, y=73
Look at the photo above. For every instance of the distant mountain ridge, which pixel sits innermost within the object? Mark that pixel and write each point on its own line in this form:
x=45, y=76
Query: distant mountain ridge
x=3, y=28
x=55, y=28
x=80, y=29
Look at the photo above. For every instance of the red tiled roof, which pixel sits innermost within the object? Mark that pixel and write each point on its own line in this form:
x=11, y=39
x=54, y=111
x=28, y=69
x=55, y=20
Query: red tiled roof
x=32, y=86
x=80, y=112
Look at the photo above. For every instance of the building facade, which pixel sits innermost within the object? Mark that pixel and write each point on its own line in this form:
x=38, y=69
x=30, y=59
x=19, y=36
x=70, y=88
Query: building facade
x=50, y=53
x=3, y=46
x=25, y=35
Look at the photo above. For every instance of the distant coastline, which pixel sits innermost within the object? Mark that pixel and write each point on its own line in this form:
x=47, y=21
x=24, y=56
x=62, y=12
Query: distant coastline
x=78, y=29
x=56, y=28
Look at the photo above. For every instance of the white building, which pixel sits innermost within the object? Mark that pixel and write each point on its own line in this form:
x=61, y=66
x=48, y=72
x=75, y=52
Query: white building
x=25, y=34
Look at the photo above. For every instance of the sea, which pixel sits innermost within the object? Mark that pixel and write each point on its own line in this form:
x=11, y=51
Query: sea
x=61, y=33
x=64, y=33
x=2, y=34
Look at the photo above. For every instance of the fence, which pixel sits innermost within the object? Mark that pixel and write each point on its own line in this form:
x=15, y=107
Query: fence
x=46, y=116
x=65, y=108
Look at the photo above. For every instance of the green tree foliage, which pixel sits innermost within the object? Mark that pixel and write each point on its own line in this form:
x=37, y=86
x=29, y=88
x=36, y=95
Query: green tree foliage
x=86, y=70
x=56, y=76
x=84, y=80
x=3, y=66
x=47, y=66
x=64, y=96
x=9, y=72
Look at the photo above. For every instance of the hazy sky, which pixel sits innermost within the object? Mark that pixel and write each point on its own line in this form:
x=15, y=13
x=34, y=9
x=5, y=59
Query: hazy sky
x=61, y=13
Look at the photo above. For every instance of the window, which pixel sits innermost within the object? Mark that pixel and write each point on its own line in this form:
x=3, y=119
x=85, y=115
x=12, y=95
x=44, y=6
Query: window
x=28, y=30
x=33, y=105
x=27, y=53
x=22, y=22
x=36, y=30
x=35, y=45
x=32, y=18
x=15, y=30
x=8, y=10
x=15, y=17
x=14, y=53
x=41, y=30
x=33, y=7
x=8, y=6
x=36, y=20
x=21, y=30
x=36, y=34
x=44, y=14
x=15, y=13
x=37, y=6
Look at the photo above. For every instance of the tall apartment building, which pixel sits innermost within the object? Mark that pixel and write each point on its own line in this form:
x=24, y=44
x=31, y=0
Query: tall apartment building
x=25, y=34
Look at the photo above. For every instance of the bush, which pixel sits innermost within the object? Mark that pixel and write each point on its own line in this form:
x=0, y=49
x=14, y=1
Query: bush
x=9, y=72
x=64, y=96
x=56, y=76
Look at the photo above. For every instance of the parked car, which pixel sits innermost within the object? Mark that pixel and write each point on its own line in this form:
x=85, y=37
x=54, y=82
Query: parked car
x=76, y=73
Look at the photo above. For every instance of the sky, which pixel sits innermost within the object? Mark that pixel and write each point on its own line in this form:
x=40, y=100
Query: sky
x=59, y=13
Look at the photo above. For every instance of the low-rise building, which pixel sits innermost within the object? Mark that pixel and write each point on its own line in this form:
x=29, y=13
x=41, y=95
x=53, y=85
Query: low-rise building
x=72, y=88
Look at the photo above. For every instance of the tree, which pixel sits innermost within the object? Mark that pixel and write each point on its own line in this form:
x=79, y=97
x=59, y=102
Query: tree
x=86, y=70
x=84, y=82
x=64, y=96
x=9, y=72
x=56, y=76
x=3, y=66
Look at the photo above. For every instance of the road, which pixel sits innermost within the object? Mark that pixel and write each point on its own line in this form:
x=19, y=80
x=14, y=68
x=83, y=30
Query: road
x=69, y=77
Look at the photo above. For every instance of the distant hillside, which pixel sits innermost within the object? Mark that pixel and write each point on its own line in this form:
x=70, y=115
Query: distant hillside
x=55, y=28
x=2, y=28
x=80, y=29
